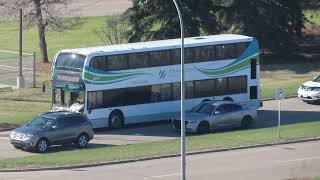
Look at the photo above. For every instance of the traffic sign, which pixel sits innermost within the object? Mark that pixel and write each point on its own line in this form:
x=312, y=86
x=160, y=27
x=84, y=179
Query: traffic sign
x=279, y=94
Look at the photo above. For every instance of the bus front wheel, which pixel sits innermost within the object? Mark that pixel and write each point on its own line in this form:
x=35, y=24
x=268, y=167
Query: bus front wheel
x=116, y=120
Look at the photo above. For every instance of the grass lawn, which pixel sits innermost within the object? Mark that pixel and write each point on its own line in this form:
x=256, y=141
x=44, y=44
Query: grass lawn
x=84, y=36
x=150, y=149
x=287, y=76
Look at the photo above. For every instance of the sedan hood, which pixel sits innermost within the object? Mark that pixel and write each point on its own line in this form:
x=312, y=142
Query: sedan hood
x=311, y=84
x=192, y=116
x=28, y=130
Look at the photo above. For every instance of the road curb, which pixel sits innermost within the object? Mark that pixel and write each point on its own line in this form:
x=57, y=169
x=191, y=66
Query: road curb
x=272, y=99
x=159, y=157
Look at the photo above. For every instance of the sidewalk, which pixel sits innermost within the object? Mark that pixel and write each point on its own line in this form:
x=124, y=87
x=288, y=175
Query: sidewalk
x=4, y=87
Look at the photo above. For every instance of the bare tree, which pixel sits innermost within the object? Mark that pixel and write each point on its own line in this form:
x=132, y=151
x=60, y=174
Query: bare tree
x=114, y=32
x=43, y=14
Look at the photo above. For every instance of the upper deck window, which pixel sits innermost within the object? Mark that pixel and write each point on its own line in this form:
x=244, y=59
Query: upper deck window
x=70, y=61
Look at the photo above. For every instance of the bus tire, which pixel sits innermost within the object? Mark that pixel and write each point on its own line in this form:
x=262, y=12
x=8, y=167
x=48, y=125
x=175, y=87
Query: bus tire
x=116, y=120
x=228, y=99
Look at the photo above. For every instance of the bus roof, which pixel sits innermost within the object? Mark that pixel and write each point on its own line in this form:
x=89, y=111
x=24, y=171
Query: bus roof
x=160, y=44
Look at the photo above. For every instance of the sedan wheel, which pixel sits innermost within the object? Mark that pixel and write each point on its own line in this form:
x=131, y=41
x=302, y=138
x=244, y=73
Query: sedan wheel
x=42, y=146
x=245, y=123
x=82, y=141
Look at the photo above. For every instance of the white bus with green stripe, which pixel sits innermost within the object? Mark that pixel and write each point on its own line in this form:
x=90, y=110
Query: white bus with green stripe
x=139, y=82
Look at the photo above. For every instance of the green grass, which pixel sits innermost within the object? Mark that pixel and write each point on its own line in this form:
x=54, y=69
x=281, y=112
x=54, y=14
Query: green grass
x=151, y=149
x=84, y=36
x=313, y=15
x=17, y=112
x=287, y=76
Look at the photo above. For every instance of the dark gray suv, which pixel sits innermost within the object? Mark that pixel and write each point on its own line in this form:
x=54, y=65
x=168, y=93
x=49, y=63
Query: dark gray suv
x=53, y=128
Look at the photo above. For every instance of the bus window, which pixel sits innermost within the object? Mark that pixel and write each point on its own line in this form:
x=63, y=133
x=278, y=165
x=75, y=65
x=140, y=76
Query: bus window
x=138, y=60
x=189, y=90
x=155, y=93
x=159, y=58
x=99, y=62
x=221, y=86
x=176, y=94
x=165, y=92
x=175, y=56
x=117, y=62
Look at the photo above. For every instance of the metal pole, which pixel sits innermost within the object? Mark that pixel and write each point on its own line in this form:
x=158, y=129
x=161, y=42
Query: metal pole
x=279, y=120
x=20, y=79
x=182, y=93
x=34, y=69
x=20, y=43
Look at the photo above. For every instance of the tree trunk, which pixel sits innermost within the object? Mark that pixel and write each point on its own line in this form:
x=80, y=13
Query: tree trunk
x=41, y=32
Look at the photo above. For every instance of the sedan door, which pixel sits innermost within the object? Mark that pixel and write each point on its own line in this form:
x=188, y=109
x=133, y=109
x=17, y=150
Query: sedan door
x=224, y=116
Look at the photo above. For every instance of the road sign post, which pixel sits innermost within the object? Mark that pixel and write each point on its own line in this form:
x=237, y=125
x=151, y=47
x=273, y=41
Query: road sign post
x=279, y=96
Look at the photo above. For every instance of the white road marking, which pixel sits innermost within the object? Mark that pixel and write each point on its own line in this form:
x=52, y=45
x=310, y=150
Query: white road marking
x=161, y=176
x=295, y=160
x=4, y=138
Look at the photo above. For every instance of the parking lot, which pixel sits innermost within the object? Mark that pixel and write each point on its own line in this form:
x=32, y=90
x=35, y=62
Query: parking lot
x=293, y=111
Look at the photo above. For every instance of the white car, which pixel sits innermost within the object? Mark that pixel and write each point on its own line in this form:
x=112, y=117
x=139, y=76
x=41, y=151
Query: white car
x=310, y=91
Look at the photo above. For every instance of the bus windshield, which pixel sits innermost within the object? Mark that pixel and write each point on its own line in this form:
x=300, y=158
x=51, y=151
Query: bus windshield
x=70, y=61
x=62, y=98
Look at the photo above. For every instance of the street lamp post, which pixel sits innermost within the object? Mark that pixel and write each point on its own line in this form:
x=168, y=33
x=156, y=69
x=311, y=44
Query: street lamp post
x=183, y=147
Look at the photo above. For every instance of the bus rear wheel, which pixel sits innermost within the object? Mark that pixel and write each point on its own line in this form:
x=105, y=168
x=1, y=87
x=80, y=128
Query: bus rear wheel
x=116, y=121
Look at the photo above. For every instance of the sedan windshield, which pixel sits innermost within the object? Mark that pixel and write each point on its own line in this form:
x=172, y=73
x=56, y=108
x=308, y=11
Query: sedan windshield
x=43, y=123
x=203, y=108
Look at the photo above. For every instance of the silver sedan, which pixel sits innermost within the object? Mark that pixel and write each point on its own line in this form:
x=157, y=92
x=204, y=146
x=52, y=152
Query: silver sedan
x=211, y=115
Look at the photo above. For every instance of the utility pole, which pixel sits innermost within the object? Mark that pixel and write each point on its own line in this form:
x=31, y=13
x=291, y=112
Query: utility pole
x=182, y=93
x=20, y=79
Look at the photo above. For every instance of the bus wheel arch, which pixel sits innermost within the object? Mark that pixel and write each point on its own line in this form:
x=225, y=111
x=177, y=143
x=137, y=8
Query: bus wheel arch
x=228, y=99
x=116, y=119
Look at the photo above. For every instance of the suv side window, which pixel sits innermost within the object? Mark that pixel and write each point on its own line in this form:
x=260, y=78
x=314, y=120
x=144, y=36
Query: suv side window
x=73, y=121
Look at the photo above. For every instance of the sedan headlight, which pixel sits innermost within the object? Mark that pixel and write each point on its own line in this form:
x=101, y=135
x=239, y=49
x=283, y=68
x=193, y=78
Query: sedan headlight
x=12, y=135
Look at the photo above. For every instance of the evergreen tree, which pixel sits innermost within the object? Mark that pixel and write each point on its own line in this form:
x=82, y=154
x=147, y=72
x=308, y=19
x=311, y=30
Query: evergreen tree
x=275, y=23
x=158, y=19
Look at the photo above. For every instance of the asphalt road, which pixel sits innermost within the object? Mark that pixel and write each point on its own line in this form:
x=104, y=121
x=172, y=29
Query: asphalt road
x=274, y=162
x=293, y=111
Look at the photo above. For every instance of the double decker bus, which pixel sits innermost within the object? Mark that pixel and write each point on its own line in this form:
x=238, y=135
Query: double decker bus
x=139, y=82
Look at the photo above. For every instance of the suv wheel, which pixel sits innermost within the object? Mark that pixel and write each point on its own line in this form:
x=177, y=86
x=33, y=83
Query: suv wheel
x=115, y=121
x=42, y=146
x=82, y=141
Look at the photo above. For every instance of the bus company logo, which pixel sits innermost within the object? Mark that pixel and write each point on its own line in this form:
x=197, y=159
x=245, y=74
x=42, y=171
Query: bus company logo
x=162, y=74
